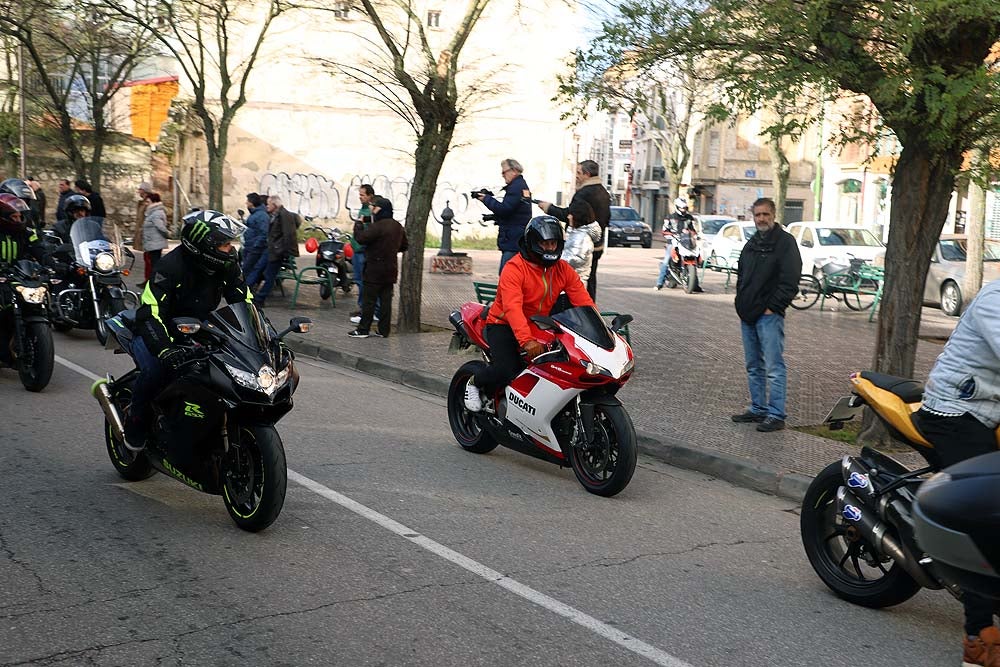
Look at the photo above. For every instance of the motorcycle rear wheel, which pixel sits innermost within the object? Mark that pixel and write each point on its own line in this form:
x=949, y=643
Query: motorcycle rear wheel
x=690, y=279
x=605, y=467
x=324, y=291
x=109, y=306
x=132, y=466
x=254, y=478
x=843, y=564
x=464, y=424
x=34, y=367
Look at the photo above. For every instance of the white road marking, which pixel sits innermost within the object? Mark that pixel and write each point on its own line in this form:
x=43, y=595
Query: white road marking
x=572, y=614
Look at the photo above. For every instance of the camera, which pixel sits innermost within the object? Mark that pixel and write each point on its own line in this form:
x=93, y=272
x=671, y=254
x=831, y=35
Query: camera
x=489, y=217
x=480, y=191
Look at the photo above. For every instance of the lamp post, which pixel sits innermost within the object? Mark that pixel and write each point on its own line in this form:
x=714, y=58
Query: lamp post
x=22, y=113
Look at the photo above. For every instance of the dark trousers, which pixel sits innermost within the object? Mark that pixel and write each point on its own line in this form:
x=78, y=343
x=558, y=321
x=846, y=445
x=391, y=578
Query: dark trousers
x=505, y=353
x=956, y=439
x=254, y=264
x=270, y=273
x=592, y=280
x=150, y=380
x=151, y=258
x=381, y=295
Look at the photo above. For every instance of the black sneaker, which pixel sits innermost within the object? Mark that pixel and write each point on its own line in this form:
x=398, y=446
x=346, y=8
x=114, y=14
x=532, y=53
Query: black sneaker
x=748, y=417
x=358, y=333
x=771, y=424
x=376, y=334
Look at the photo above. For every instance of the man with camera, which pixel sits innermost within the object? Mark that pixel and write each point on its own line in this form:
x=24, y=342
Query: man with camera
x=510, y=214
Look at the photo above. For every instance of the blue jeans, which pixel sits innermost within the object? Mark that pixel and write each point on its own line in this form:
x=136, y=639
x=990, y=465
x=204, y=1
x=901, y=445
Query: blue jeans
x=763, y=349
x=148, y=382
x=270, y=273
x=663, y=272
x=506, y=256
x=254, y=263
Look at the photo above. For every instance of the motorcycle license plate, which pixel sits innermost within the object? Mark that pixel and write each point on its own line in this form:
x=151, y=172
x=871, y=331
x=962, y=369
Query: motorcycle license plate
x=632, y=238
x=845, y=410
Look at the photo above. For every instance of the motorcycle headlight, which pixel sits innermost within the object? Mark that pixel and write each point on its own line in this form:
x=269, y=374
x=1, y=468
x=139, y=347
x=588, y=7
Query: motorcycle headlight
x=104, y=261
x=265, y=380
x=594, y=369
x=31, y=294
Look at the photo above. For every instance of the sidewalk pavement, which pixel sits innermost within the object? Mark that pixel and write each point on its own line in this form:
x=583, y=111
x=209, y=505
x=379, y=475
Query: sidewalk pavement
x=689, y=374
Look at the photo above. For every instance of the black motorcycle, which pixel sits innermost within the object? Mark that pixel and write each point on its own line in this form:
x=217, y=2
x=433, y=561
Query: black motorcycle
x=90, y=288
x=214, y=420
x=24, y=311
x=330, y=256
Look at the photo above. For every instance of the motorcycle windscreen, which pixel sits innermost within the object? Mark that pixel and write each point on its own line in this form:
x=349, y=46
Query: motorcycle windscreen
x=88, y=240
x=587, y=323
x=243, y=323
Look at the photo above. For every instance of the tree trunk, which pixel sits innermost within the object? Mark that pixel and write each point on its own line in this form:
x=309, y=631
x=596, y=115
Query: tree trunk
x=921, y=191
x=779, y=177
x=975, y=230
x=432, y=147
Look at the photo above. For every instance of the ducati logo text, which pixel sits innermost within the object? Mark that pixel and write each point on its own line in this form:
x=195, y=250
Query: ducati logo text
x=520, y=402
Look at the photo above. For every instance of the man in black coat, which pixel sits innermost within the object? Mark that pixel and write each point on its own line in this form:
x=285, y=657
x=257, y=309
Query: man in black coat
x=65, y=192
x=383, y=239
x=767, y=281
x=282, y=242
x=96, y=201
x=37, y=206
x=592, y=191
x=512, y=212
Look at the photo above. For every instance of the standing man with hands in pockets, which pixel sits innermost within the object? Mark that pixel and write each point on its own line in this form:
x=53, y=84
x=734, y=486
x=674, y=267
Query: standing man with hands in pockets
x=512, y=212
x=767, y=280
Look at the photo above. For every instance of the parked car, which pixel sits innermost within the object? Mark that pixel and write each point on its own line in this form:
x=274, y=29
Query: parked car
x=709, y=227
x=729, y=240
x=947, y=272
x=821, y=243
x=627, y=228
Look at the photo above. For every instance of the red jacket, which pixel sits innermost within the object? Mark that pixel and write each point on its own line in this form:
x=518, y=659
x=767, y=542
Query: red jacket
x=527, y=289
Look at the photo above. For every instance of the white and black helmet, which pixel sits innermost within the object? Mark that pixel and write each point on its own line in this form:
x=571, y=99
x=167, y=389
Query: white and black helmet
x=202, y=234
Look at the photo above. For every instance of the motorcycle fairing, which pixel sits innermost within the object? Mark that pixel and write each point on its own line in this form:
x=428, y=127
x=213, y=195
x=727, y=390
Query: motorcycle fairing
x=891, y=408
x=190, y=424
x=534, y=411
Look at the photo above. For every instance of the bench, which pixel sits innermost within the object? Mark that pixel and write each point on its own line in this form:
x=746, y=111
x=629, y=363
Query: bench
x=729, y=265
x=864, y=280
x=311, y=275
x=486, y=294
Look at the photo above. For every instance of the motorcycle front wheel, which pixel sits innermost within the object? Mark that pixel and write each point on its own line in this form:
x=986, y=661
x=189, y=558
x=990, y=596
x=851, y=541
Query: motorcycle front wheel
x=464, y=424
x=34, y=366
x=845, y=562
x=109, y=307
x=690, y=279
x=605, y=466
x=254, y=478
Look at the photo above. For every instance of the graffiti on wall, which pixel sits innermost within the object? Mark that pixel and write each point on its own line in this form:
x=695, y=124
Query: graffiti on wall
x=318, y=196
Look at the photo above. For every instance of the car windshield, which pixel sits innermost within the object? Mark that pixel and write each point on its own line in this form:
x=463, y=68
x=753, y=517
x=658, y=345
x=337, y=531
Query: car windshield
x=954, y=250
x=833, y=236
x=623, y=214
x=713, y=225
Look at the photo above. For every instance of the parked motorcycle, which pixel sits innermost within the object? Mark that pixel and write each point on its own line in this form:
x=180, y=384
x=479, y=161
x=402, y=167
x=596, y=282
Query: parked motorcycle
x=91, y=287
x=683, y=259
x=334, y=255
x=214, y=421
x=857, y=519
x=24, y=294
x=562, y=408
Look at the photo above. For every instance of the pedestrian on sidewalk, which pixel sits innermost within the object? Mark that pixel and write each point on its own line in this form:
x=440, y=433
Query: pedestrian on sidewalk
x=959, y=416
x=512, y=212
x=383, y=240
x=766, y=282
x=154, y=232
x=366, y=193
x=255, y=239
x=97, y=209
x=282, y=243
x=138, y=229
x=37, y=205
x=65, y=192
x=591, y=190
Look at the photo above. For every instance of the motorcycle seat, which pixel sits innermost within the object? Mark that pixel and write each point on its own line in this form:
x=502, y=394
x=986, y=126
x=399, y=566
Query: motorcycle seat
x=907, y=389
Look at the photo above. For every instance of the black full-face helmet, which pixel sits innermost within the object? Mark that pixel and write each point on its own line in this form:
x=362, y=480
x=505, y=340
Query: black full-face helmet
x=538, y=229
x=18, y=188
x=76, y=203
x=202, y=234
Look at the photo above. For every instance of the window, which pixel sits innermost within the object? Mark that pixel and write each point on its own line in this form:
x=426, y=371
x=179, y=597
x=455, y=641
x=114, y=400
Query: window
x=433, y=19
x=732, y=233
x=830, y=236
x=341, y=9
x=808, y=239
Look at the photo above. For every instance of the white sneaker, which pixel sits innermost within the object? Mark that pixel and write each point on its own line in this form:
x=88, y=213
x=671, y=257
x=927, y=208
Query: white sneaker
x=357, y=319
x=473, y=399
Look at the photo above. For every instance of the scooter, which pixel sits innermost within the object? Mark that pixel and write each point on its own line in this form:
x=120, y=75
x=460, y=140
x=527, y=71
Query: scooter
x=334, y=254
x=562, y=408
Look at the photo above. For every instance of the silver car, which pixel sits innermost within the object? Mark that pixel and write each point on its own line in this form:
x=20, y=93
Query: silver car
x=947, y=273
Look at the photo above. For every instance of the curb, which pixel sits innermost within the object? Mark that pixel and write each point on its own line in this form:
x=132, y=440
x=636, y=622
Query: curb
x=735, y=470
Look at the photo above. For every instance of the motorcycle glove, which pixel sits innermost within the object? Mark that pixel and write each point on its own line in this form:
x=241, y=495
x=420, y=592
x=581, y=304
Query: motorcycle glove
x=175, y=357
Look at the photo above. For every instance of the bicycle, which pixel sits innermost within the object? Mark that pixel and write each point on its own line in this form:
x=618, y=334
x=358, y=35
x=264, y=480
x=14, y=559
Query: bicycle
x=857, y=285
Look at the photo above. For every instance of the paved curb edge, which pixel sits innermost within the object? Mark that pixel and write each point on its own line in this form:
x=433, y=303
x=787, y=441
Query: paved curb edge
x=739, y=471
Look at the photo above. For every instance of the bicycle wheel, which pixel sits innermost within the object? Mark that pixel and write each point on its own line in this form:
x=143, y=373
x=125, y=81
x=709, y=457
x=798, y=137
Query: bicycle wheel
x=808, y=293
x=860, y=302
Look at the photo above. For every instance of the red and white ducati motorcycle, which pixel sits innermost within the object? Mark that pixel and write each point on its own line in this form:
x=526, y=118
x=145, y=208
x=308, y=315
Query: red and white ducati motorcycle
x=562, y=408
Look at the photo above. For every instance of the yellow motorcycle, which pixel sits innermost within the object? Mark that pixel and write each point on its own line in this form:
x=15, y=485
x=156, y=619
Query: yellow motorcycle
x=856, y=521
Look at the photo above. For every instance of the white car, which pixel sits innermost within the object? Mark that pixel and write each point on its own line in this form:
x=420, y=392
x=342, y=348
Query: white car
x=729, y=240
x=820, y=243
x=709, y=227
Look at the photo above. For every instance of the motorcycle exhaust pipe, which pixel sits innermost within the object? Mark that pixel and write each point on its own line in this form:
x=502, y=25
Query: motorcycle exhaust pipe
x=101, y=392
x=875, y=533
x=857, y=479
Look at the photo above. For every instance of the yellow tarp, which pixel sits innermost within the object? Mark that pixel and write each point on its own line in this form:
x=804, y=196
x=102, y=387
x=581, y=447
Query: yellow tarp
x=148, y=108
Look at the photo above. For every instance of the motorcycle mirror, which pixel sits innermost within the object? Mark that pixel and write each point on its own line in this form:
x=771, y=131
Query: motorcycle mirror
x=620, y=321
x=297, y=324
x=186, y=325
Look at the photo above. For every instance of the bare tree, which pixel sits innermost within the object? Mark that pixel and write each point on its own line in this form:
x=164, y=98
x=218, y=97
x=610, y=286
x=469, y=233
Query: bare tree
x=76, y=58
x=206, y=38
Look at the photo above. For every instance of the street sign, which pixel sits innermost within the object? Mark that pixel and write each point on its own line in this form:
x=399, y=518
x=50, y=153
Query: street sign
x=624, y=144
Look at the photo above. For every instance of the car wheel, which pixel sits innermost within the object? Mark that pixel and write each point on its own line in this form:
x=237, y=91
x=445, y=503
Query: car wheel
x=951, y=299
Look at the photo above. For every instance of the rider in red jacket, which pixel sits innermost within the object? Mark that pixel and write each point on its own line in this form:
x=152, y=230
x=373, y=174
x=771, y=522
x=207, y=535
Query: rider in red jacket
x=529, y=285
